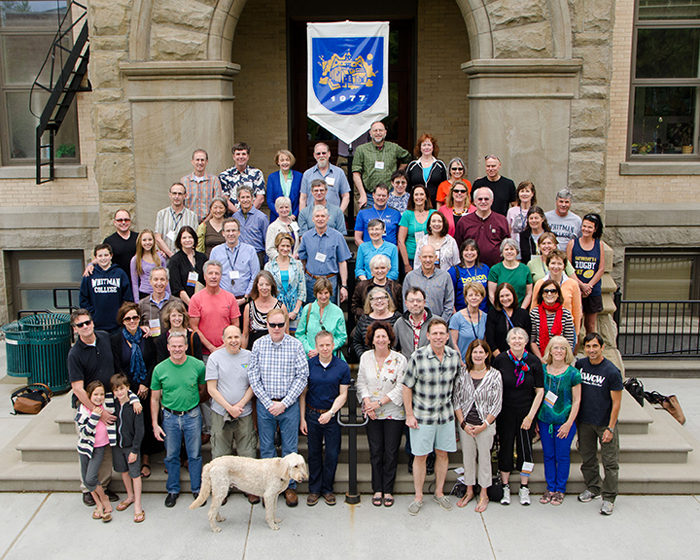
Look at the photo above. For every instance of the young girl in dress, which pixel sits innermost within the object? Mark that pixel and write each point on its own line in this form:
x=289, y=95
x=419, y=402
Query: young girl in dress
x=93, y=439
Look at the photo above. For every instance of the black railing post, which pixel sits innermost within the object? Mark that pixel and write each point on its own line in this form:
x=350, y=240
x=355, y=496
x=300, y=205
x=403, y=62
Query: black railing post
x=352, y=496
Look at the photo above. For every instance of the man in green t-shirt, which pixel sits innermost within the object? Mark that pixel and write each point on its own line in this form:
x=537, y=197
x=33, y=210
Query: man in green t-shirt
x=179, y=383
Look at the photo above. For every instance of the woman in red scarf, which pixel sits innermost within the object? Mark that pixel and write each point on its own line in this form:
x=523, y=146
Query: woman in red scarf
x=549, y=318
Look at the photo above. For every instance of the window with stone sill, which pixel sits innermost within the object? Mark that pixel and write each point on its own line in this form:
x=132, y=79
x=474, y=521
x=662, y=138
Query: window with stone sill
x=27, y=29
x=665, y=81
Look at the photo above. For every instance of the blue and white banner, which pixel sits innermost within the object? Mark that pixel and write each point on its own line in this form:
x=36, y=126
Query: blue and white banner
x=348, y=76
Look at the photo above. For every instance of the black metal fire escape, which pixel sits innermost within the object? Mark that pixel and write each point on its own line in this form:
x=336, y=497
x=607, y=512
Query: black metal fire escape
x=65, y=79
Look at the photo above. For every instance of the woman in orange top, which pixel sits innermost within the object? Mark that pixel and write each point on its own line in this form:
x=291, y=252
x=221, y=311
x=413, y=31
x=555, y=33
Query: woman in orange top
x=456, y=171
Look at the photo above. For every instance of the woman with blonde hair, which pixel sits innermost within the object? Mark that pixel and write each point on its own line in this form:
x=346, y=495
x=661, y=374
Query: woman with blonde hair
x=145, y=260
x=557, y=416
x=378, y=307
x=288, y=273
x=285, y=182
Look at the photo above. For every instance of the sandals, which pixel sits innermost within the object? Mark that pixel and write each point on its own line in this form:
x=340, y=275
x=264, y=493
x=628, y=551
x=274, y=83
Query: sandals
x=464, y=500
x=377, y=500
x=97, y=514
x=123, y=505
x=479, y=508
x=557, y=498
x=546, y=497
x=388, y=501
x=139, y=517
x=107, y=517
x=143, y=474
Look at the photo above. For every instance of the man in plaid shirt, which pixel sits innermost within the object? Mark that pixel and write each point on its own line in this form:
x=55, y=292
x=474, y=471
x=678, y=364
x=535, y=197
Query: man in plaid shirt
x=201, y=186
x=427, y=397
x=278, y=371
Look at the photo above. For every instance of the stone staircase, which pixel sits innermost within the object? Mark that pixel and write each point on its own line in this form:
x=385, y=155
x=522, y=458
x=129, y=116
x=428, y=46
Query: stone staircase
x=658, y=456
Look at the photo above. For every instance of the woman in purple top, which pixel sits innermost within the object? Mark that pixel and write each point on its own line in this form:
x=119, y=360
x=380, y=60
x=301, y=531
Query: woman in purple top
x=145, y=260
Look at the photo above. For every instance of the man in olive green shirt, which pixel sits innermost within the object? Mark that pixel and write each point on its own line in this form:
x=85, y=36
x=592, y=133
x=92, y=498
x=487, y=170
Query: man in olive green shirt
x=374, y=163
x=179, y=383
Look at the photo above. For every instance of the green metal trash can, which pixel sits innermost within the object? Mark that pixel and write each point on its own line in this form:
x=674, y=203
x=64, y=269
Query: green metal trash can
x=49, y=343
x=17, y=349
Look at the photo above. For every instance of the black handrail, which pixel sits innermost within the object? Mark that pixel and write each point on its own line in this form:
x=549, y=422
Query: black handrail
x=352, y=496
x=70, y=305
x=654, y=329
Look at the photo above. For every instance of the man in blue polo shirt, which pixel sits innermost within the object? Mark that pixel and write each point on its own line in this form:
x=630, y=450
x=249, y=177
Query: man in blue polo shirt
x=324, y=253
x=601, y=396
x=239, y=261
x=253, y=223
x=379, y=211
x=324, y=396
x=334, y=177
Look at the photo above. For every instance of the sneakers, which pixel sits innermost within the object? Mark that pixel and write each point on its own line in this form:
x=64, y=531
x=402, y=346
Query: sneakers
x=586, y=496
x=524, y=495
x=443, y=502
x=414, y=508
x=505, y=500
x=607, y=508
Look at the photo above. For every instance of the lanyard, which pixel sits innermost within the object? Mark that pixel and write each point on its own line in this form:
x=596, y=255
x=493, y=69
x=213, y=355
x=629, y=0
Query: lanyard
x=512, y=326
x=176, y=220
x=238, y=250
x=551, y=380
x=471, y=324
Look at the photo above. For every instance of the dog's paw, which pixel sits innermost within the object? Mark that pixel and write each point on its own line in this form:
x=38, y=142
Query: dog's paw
x=216, y=529
x=278, y=521
x=274, y=527
x=219, y=518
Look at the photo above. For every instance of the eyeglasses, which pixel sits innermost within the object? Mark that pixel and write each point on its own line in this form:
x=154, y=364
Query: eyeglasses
x=276, y=325
x=132, y=318
x=377, y=298
x=456, y=168
x=83, y=324
x=460, y=191
x=483, y=199
x=549, y=291
x=122, y=220
x=414, y=301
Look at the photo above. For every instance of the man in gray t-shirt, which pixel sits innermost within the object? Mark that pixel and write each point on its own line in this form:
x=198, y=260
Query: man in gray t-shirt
x=227, y=383
x=562, y=221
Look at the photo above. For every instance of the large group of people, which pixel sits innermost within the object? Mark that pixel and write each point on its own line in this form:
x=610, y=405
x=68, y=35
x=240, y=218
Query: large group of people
x=227, y=325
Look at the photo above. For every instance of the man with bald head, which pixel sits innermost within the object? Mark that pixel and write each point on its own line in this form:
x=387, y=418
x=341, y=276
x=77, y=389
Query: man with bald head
x=485, y=227
x=503, y=188
x=435, y=283
x=229, y=388
x=334, y=178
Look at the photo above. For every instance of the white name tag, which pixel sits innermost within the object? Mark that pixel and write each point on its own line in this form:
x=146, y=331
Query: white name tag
x=295, y=227
x=234, y=275
x=550, y=398
x=154, y=325
x=418, y=235
x=527, y=468
x=171, y=235
x=192, y=278
x=321, y=257
x=379, y=165
x=330, y=181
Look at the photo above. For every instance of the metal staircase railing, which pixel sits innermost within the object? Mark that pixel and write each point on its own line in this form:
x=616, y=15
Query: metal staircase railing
x=62, y=87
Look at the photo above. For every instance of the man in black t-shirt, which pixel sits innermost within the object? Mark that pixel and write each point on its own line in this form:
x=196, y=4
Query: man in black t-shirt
x=601, y=395
x=122, y=241
x=502, y=187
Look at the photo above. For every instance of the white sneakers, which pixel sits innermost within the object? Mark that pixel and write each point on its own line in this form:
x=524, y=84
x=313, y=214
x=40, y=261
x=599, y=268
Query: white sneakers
x=505, y=500
x=524, y=495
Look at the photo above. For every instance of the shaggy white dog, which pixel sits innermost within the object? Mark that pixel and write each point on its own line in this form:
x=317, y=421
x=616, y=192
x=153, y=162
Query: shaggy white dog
x=261, y=477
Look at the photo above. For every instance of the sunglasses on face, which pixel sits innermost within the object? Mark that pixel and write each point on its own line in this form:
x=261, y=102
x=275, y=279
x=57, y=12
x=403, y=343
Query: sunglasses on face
x=549, y=291
x=460, y=191
x=122, y=220
x=83, y=324
x=276, y=325
x=132, y=318
x=457, y=169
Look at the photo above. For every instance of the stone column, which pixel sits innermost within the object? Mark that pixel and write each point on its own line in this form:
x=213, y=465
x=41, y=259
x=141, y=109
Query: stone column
x=175, y=108
x=520, y=109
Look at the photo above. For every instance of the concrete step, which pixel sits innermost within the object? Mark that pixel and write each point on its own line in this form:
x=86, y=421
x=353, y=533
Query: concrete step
x=662, y=368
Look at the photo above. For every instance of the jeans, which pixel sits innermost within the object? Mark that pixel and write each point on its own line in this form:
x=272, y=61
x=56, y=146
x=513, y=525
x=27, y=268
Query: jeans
x=588, y=437
x=288, y=423
x=322, y=469
x=557, y=455
x=310, y=281
x=176, y=428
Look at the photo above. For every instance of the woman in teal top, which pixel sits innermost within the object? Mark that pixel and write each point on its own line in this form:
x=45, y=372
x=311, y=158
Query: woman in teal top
x=376, y=246
x=557, y=416
x=513, y=272
x=321, y=315
x=289, y=278
x=413, y=224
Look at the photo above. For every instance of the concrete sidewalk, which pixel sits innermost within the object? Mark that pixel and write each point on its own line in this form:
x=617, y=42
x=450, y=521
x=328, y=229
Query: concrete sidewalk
x=58, y=525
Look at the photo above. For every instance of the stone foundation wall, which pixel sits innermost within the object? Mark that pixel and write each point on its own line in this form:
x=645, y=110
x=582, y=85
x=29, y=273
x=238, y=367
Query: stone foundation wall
x=441, y=88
